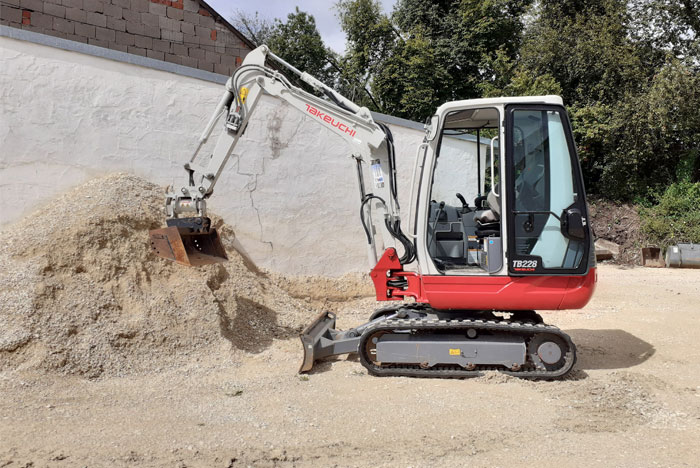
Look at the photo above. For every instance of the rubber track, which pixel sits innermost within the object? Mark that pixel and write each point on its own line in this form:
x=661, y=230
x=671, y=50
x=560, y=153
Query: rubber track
x=527, y=329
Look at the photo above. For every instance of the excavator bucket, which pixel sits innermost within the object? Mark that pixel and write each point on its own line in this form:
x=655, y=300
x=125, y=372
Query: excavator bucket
x=189, y=241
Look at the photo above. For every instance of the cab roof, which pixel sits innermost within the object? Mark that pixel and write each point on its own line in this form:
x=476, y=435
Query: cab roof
x=499, y=101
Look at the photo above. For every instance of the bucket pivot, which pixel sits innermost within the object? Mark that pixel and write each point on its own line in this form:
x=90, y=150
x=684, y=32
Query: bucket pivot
x=188, y=241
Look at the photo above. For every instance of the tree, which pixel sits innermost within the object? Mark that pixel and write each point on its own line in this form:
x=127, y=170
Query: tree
x=584, y=45
x=668, y=26
x=256, y=28
x=371, y=40
x=298, y=42
x=467, y=36
x=429, y=52
x=295, y=40
x=658, y=135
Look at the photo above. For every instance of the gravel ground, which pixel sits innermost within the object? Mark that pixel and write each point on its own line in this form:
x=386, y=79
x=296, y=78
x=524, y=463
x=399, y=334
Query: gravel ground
x=186, y=387
x=633, y=400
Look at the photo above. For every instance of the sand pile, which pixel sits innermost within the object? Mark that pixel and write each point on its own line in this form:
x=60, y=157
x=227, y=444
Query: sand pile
x=82, y=293
x=326, y=289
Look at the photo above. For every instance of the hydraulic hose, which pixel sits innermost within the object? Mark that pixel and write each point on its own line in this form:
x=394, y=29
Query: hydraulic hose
x=395, y=230
x=368, y=197
x=409, y=254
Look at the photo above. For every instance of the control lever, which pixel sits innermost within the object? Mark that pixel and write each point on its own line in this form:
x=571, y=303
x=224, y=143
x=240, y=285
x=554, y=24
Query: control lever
x=465, y=205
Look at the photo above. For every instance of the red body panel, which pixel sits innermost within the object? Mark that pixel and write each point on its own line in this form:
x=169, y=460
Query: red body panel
x=483, y=292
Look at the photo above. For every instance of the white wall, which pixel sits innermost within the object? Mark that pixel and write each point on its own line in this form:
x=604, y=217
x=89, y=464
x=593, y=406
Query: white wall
x=456, y=171
x=290, y=191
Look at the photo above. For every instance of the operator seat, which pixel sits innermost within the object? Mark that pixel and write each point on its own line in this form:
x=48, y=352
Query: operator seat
x=488, y=222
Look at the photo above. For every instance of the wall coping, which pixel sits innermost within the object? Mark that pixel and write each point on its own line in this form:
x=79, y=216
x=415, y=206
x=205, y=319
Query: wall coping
x=111, y=54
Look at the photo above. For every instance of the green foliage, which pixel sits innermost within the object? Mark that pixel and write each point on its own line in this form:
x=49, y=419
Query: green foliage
x=298, y=42
x=410, y=81
x=653, y=136
x=428, y=53
x=371, y=40
x=676, y=218
x=370, y=35
x=522, y=83
x=585, y=46
x=667, y=26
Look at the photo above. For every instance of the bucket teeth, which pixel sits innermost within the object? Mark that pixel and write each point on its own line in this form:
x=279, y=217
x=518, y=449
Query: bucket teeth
x=187, y=246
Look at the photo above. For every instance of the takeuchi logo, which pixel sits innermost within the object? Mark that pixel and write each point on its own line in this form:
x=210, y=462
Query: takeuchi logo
x=328, y=119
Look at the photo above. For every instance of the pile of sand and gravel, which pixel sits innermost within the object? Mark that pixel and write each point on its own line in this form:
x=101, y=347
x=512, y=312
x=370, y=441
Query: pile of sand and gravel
x=83, y=294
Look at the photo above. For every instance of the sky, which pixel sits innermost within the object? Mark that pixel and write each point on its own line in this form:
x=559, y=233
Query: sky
x=322, y=10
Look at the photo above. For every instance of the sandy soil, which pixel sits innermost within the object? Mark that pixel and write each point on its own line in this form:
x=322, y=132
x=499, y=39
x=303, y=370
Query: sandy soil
x=110, y=356
x=633, y=400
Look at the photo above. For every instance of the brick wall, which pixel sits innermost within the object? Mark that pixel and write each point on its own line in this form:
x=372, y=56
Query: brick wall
x=186, y=32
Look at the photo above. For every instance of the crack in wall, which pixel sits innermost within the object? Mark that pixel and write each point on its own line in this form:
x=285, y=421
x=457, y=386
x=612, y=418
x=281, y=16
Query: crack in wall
x=252, y=202
x=276, y=145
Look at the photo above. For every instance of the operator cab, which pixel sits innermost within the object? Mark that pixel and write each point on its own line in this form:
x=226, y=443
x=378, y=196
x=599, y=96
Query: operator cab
x=527, y=219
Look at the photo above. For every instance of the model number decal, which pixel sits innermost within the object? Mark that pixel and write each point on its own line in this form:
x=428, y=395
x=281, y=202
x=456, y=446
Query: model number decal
x=525, y=265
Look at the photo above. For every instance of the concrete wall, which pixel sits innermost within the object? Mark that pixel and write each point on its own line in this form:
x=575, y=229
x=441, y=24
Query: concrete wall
x=290, y=191
x=456, y=171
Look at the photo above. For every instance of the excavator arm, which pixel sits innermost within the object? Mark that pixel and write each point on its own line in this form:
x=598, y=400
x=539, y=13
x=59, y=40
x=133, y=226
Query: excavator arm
x=189, y=238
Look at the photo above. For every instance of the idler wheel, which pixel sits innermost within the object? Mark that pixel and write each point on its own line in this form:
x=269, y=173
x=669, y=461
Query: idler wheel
x=547, y=351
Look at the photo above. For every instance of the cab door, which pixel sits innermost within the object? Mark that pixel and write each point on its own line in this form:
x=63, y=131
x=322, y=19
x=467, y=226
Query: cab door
x=548, y=232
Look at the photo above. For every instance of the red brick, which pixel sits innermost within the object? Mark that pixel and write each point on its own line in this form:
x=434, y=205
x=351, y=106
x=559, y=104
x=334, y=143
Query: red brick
x=26, y=21
x=204, y=12
x=178, y=4
x=238, y=61
x=213, y=34
x=26, y=14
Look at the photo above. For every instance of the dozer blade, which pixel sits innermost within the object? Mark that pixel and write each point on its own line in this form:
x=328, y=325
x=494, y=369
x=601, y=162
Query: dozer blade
x=311, y=339
x=190, y=246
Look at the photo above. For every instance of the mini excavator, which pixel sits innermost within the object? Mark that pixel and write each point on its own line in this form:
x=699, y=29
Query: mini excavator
x=465, y=282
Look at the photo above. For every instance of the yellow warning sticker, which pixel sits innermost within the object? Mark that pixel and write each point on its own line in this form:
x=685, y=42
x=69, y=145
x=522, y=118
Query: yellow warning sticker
x=455, y=351
x=243, y=94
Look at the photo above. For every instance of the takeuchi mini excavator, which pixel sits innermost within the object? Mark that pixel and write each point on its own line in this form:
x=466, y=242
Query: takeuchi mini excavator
x=499, y=229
